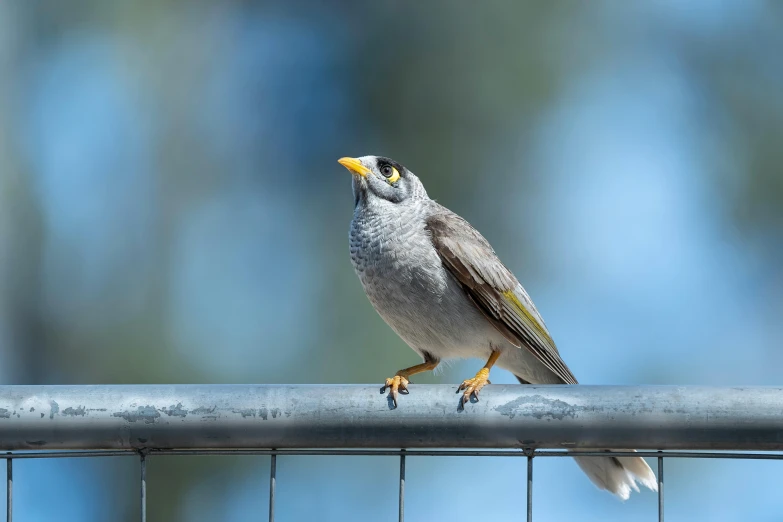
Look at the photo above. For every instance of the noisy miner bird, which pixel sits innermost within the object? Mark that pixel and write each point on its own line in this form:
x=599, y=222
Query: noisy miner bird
x=440, y=286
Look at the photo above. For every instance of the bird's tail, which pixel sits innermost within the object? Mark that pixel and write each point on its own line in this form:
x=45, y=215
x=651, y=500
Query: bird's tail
x=618, y=474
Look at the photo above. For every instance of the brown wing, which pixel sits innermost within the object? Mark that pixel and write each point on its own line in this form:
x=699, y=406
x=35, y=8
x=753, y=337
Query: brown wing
x=493, y=288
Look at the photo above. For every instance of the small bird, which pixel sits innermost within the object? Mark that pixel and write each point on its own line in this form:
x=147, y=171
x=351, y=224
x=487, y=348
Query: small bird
x=440, y=286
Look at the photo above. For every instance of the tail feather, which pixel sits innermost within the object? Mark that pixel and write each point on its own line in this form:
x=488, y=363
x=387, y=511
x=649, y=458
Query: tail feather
x=618, y=474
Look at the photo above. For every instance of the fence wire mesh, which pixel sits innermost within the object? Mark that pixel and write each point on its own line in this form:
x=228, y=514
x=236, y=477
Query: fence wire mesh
x=150, y=422
x=529, y=455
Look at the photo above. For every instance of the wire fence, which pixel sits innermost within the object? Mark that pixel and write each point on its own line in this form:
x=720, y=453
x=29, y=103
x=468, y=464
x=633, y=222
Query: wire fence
x=41, y=422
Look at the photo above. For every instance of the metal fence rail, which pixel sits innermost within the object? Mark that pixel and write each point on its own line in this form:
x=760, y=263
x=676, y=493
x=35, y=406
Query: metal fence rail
x=513, y=420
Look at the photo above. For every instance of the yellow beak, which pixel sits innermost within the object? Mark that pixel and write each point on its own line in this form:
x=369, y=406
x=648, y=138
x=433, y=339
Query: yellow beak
x=354, y=165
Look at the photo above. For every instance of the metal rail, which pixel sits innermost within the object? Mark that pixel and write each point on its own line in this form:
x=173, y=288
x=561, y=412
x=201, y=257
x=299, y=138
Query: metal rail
x=153, y=421
x=508, y=416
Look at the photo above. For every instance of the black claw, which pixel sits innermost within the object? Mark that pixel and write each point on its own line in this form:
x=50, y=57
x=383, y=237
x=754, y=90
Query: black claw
x=404, y=391
x=383, y=389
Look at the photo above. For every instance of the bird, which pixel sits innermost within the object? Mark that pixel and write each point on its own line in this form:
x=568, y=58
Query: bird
x=437, y=282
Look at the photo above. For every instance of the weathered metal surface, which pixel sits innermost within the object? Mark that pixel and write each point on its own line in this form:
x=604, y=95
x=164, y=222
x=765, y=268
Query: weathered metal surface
x=508, y=416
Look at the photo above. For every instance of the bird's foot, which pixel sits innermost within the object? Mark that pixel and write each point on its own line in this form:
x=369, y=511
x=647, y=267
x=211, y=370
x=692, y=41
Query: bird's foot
x=473, y=386
x=396, y=384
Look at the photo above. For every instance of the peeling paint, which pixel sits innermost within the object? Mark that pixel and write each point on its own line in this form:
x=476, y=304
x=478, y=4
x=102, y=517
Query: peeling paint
x=80, y=410
x=148, y=414
x=247, y=412
x=542, y=408
x=275, y=412
x=54, y=409
x=176, y=411
x=263, y=413
x=5, y=414
x=42, y=415
x=32, y=410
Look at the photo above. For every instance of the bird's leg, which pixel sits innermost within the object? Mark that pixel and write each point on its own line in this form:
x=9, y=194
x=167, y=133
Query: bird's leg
x=474, y=385
x=399, y=383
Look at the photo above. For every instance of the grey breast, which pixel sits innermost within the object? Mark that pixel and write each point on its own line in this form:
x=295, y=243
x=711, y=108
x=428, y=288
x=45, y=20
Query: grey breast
x=404, y=278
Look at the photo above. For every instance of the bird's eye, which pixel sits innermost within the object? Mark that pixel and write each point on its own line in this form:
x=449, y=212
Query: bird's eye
x=390, y=172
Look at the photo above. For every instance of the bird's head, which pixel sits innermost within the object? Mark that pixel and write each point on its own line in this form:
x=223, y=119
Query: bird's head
x=379, y=177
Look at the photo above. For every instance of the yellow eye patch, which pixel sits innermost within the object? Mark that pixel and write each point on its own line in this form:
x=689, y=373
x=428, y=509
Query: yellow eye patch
x=395, y=175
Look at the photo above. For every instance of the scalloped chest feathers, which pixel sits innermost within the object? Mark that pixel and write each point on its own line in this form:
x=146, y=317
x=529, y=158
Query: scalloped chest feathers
x=405, y=280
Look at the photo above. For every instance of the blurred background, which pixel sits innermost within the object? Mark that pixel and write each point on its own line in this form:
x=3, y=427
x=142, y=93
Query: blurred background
x=171, y=211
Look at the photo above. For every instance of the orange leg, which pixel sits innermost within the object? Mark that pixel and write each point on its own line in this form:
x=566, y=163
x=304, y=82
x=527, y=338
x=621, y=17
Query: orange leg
x=474, y=385
x=399, y=383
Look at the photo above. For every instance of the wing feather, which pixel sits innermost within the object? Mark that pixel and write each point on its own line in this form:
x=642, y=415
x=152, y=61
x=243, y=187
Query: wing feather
x=493, y=288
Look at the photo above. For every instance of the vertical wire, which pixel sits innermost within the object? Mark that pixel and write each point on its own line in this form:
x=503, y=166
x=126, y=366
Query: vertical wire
x=9, y=488
x=143, y=486
x=401, y=516
x=660, y=489
x=272, y=486
x=530, y=487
